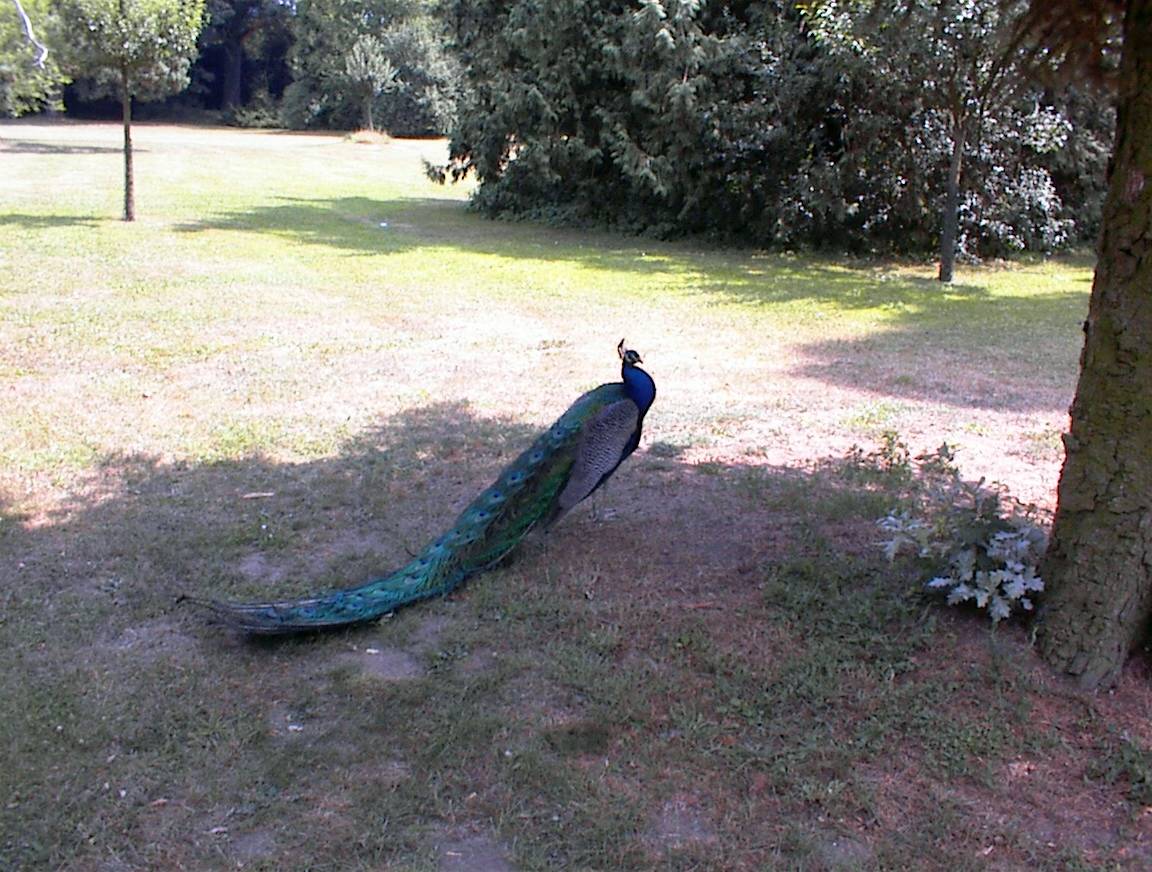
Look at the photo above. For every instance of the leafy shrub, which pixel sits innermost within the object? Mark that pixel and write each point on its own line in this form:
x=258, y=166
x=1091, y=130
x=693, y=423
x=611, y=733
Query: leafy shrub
x=1125, y=761
x=261, y=112
x=779, y=124
x=979, y=544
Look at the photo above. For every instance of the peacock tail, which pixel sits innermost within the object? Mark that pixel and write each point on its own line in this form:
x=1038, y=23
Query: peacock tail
x=562, y=467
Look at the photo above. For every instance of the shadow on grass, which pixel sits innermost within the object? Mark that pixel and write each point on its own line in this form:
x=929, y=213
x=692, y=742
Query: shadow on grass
x=28, y=146
x=711, y=652
x=373, y=227
x=44, y=222
x=967, y=353
x=109, y=681
x=146, y=531
x=957, y=344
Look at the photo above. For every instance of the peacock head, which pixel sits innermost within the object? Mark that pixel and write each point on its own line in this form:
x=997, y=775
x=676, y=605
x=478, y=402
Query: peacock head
x=627, y=355
x=638, y=385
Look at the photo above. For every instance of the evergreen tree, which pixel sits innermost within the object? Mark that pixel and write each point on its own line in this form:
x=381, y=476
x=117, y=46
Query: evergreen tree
x=370, y=73
x=834, y=123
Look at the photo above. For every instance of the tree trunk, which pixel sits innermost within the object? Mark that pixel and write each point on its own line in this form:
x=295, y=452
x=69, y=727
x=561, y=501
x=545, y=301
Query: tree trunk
x=368, y=111
x=949, y=230
x=233, y=96
x=1098, y=569
x=126, y=111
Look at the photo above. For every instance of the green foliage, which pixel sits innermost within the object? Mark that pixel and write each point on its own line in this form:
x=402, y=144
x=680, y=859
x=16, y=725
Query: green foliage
x=971, y=86
x=370, y=73
x=327, y=92
x=144, y=46
x=25, y=85
x=260, y=111
x=1126, y=761
x=596, y=113
x=984, y=546
x=244, y=54
x=367, y=65
x=827, y=125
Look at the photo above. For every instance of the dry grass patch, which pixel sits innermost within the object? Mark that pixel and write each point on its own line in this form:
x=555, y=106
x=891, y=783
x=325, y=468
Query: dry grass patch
x=370, y=137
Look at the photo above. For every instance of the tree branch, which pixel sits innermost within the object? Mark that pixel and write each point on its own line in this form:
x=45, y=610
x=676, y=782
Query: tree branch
x=41, y=49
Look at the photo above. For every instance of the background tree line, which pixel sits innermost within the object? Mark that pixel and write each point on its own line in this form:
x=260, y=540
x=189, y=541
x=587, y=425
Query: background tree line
x=848, y=125
x=901, y=127
x=302, y=64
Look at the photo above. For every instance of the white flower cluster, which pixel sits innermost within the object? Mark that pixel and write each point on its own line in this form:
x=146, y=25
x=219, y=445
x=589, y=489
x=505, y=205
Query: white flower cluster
x=996, y=569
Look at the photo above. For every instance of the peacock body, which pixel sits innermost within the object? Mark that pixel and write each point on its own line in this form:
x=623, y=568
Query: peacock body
x=565, y=465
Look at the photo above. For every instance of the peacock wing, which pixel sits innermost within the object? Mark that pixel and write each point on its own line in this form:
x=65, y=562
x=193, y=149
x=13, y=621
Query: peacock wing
x=603, y=442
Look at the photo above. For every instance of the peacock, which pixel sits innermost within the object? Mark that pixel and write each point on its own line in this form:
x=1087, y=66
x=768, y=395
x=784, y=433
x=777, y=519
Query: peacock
x=565, y=465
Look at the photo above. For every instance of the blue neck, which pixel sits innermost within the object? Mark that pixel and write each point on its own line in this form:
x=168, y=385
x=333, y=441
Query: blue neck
x=639, y=386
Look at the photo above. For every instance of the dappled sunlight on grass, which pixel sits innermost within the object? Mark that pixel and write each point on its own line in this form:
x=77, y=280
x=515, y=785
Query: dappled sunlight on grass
x=329, y=265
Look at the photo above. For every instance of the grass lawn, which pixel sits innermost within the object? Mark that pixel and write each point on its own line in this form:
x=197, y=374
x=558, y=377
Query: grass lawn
x=304, y=358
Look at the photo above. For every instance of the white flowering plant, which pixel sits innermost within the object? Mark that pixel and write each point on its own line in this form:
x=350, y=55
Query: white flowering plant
x=982, y=546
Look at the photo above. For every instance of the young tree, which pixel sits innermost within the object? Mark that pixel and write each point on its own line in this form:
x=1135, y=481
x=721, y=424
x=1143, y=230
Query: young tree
x=134, y=49
x=964, y=63
x=406, y=33
x=370, y=72
x=1098, y=568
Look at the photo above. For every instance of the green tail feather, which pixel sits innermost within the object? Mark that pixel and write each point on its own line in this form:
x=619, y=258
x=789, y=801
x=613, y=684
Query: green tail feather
x=492, y=526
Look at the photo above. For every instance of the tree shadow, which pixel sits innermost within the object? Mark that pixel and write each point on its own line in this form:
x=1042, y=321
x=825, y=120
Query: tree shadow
x=963, y=353
x=367, y=226
x=28, y=146
x=354, y=224
x=159, y=727
x=956, y=344
x=145, y=531
x=41, y=222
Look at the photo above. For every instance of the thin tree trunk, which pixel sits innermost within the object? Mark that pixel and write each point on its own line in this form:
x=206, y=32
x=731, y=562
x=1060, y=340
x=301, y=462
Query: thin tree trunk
x=233, y=94
x=368, y=111
x=950, y=226
x=1099, y=565
x=126, y=111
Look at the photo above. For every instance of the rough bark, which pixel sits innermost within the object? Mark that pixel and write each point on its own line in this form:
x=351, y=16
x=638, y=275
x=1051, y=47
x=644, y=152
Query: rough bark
x=1099, y=564
x=126, y=111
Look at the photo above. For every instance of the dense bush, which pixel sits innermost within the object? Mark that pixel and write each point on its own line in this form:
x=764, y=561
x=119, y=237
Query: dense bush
x=832, y=125
x=321, y=94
